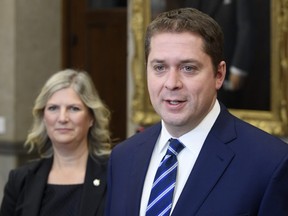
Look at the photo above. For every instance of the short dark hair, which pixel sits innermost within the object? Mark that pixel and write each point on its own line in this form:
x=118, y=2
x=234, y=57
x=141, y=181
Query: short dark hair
x=189, y=20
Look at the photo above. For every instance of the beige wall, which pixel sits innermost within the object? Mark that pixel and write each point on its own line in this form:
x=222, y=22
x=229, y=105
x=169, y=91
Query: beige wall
x=30, y=51
x=7, y=63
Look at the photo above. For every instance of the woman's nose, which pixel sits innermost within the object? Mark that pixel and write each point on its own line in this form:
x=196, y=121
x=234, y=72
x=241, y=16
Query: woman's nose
x=63, y=115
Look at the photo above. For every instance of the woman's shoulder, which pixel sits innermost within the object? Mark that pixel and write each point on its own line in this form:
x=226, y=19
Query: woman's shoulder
x=30, y=166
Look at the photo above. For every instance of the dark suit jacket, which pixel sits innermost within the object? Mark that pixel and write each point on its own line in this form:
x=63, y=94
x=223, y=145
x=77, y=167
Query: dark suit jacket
x=25, y=187
x=240, y=170
x=237, y=22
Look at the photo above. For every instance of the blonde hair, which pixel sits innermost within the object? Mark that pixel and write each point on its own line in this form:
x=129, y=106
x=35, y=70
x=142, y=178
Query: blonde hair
x=99, y=140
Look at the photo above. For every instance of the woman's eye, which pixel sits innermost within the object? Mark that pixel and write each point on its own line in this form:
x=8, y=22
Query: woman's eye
x=74, y=109
x=51, y=108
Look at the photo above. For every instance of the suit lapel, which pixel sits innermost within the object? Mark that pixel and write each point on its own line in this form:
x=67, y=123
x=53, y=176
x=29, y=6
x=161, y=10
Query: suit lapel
x=34, y=190
x=94, y=189
x=213, y=160
x=140, y=165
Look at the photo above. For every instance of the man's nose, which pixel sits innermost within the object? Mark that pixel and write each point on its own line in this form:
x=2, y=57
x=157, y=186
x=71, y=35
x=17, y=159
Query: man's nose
x=173, y=80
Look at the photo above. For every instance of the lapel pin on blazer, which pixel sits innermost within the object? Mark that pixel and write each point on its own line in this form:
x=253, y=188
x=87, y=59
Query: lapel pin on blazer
x=96, y=182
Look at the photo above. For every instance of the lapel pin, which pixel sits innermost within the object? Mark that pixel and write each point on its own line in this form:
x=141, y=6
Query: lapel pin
x=96, y=182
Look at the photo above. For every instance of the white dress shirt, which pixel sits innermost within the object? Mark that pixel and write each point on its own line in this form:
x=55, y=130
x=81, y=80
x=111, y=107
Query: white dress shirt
x=193, y=142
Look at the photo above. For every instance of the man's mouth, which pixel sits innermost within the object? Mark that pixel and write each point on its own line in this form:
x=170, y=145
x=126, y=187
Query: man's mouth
x=174, y=102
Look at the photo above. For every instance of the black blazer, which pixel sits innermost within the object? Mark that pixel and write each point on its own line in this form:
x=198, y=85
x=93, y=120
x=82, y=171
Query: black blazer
x=25, y=187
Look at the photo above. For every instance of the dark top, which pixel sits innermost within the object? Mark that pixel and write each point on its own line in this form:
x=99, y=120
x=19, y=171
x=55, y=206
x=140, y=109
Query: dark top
x=61, y=200
x=27, y=185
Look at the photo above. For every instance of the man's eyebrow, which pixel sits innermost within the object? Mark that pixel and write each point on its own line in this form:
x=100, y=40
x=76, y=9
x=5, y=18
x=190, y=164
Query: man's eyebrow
x=185, y=61
x=157, y=61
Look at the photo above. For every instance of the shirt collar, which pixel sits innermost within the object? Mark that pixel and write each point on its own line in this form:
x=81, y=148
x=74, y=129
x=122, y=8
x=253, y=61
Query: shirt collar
x=197, y=135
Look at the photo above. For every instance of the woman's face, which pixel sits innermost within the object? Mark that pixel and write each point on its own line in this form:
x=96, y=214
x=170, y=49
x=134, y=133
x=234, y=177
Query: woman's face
x=67, y=119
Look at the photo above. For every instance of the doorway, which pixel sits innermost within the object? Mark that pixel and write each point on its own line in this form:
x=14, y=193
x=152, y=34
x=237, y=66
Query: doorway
x=95, y=40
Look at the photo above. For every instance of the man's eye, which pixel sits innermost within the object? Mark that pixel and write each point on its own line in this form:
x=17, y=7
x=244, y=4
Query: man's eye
x=159, y=68
x=189, y=68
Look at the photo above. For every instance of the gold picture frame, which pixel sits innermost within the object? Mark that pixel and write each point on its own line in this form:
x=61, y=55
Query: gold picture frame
x=273, y=121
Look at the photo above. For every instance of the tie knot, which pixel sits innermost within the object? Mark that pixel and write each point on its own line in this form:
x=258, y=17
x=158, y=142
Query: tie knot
x=175, y=146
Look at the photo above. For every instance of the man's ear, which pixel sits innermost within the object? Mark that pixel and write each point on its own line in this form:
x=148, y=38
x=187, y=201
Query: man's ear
x=220, y=75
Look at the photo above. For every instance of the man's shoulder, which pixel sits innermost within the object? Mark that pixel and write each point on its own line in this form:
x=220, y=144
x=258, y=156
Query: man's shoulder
x=259, y=140
x=246, y=133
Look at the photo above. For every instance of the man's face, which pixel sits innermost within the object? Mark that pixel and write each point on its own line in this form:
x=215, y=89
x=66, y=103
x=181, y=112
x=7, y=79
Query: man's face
x=181, y=81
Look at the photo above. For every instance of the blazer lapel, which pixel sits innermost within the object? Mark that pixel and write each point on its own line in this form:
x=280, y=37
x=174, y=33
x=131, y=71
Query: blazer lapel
x=36, y=182
x=213, y=160
x=94, y=190
x=139, y=167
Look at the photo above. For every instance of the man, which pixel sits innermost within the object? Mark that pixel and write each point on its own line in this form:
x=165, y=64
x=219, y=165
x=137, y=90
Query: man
x=224, y=166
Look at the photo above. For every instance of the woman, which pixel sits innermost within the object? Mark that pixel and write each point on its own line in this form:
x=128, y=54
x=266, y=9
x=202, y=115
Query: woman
x=71, y=134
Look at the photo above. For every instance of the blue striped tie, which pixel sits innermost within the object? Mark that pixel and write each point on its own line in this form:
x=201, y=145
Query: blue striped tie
x=160, y=201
